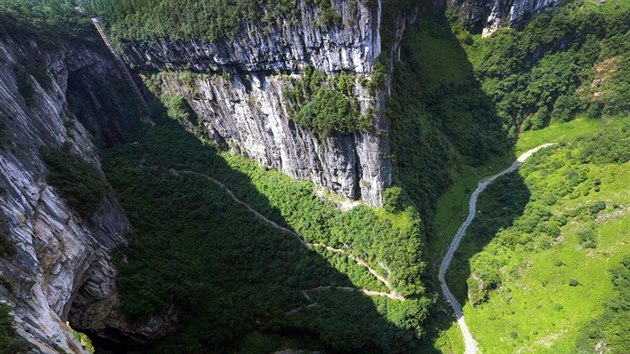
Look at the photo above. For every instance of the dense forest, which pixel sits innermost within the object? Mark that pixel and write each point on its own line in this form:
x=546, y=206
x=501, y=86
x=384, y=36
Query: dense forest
x=246, y=304
x=572, y=60
x=439, y=115
x=44, y=18
x=207, y=20
x=465, y=99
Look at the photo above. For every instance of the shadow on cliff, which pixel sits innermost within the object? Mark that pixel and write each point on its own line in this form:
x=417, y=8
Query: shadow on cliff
x=440, y=120
x=197, y=255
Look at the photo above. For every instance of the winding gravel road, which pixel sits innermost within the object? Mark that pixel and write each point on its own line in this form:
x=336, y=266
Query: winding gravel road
x=471, y=345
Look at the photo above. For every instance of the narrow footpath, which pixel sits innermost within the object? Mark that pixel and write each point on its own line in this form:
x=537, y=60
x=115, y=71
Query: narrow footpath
x=470, y=344
x=392, y=294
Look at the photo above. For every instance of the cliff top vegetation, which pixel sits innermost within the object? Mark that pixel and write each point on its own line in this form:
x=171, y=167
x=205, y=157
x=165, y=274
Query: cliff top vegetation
x=209, y=20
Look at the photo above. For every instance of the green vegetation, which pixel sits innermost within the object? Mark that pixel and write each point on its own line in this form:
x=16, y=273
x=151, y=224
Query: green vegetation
x=4, y=140
x=567, y=67
x=7, y=248
x=439, y=116
x=23, y=72
x=209, y=20
x=573, y=59
x=46, y=19
x=84, y=340
x=325, y=104
x=24, y=85
x=442, y=128
x=611, y=328
x=390, y=11
x=392, y=239
x=175, y=107
x=559, y=132
x=542, y=243
x=75, y=180
x=9, y=343
x=234, y=277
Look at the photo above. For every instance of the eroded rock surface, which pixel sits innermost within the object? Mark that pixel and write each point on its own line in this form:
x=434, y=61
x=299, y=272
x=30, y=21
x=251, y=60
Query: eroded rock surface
x=61, y=265
x=246, y=108
x=487, y=15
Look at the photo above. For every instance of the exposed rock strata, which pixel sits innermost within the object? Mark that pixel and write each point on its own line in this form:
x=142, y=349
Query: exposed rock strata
x=246, y=108
x=488, y=15
x=62, y=264
x=288, y=45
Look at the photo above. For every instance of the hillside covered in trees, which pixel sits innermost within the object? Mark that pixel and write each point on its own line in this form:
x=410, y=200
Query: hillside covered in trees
x=254, y=261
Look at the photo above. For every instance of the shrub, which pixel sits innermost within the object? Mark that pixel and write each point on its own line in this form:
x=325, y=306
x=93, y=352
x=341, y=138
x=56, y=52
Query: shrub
x=37, y=68
x=588, y=239
x=325, y=104
x=536, y=120
x=4, y=138
x=7, y=248
x=394, y=199
x=597, y=207
x=573, y=282
x=9, y=342
x=176, y=107
x=24, y=85
x=75, y=180
x=379, y=74
x=564, y=108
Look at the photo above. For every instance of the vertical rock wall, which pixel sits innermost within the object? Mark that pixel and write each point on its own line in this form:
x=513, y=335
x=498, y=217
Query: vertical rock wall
x=58, y=254
x=246, y=108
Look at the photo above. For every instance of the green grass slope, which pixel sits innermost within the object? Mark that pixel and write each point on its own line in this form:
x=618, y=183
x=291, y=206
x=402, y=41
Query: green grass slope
x=561, y=221
x=544, y=243
x=519, y=70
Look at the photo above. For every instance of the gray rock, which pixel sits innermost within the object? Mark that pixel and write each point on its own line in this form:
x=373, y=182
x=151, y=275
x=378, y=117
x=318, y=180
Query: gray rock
x=488, y=15
x=247, y=110
x=63, y=262
x=287, y=46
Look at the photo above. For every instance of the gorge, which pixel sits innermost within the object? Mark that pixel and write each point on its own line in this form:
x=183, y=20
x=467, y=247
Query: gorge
x=274, y=182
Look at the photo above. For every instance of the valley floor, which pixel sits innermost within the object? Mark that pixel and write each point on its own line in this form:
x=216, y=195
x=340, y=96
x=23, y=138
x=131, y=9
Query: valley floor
x=548, y=283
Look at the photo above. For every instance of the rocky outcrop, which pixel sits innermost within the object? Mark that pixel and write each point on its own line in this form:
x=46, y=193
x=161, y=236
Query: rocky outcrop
x=487, y=15
x=60, y=264
x=244, y=106
x=287, y=45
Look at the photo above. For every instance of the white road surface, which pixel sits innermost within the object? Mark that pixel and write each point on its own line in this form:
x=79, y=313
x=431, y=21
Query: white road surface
x=470, y=344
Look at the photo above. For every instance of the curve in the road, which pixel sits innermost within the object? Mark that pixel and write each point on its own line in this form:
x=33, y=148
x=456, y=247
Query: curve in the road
x=470, y=344
x=392, y=294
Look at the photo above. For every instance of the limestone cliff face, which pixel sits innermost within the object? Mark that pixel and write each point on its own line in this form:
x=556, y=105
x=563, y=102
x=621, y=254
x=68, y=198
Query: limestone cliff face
x=487, y=15
x=288, y=45
x=62, y=263
x=246, y=109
